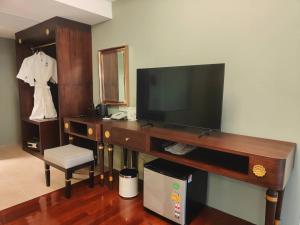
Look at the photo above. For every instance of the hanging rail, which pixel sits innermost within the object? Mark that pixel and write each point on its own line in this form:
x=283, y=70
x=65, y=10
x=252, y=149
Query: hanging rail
x=42, y=46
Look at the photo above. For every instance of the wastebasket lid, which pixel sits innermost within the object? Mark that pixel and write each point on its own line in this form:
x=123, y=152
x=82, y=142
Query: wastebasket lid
x=128, y=173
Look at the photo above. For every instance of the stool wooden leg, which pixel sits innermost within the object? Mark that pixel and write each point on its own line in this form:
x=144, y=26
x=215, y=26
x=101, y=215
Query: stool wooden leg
x=271, y=203
x=91, y=175
x=68, y=176
x=279, y=207
x=47, y=174
x=110, y=165
x=101, y=161
x=95, y=153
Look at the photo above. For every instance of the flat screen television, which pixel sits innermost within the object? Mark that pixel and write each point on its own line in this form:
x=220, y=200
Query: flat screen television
x=189, y=96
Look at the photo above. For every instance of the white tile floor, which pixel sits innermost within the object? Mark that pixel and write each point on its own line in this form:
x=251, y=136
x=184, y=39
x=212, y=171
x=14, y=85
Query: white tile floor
x=22, y=177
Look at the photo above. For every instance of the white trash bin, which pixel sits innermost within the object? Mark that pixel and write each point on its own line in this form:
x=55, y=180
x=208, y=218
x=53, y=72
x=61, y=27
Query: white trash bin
x=128, y=183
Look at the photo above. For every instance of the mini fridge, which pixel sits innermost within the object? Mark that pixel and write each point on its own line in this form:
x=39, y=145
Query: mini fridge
x=174, y=191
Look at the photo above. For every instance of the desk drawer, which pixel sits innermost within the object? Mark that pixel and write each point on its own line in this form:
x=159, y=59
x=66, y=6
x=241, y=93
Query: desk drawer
x=129, y=139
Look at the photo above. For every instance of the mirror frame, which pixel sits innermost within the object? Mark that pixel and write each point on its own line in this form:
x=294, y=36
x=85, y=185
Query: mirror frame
x=123, y=48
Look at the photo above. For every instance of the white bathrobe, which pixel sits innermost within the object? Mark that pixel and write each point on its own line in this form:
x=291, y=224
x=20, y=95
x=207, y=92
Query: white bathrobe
x=37, y=70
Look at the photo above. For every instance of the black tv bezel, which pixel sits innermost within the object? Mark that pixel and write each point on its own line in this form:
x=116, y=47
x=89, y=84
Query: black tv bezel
x=179, y=125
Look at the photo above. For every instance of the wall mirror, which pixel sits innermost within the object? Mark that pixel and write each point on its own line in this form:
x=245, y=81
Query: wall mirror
x=113, y=73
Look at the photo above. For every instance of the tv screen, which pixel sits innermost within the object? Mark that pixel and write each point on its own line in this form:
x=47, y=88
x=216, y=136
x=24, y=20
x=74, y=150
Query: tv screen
x=188, y=96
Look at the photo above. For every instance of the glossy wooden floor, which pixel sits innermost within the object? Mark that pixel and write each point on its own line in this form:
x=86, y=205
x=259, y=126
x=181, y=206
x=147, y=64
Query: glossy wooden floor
x=98, y=205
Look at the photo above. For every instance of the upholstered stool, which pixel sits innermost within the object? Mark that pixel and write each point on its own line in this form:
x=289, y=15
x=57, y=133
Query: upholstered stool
x=68, y=158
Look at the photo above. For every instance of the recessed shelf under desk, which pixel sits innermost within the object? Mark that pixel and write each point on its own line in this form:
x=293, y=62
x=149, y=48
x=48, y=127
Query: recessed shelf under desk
x=203, y=157
x=78, y=128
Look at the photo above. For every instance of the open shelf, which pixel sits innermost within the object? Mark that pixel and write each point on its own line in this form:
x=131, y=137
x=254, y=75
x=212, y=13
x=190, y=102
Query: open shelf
x=31, y=131
x=44, y=131
x=78, y=128
x=202, y=157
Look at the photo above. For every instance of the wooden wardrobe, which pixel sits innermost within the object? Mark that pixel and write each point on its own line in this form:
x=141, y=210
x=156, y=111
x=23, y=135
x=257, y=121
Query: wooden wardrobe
x=69, y=42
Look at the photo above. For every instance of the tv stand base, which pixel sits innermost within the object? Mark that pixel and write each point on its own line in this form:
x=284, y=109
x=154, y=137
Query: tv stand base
x=147, y=124
x=205, y=132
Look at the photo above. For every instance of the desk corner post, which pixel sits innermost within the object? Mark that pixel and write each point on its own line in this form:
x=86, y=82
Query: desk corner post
x=110, y=162
x=125, y=159
x=279, y=207
x=271, y=206
x=100, y=146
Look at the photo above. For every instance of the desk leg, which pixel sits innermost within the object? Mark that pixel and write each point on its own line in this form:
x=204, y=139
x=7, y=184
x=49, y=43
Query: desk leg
x=101, y=161
x=271, y=203
x=279, y=207
x=125, y=154
x=134, y=159
x=110, y=164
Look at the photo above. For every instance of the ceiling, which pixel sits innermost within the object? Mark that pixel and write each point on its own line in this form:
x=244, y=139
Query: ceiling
x=16, y=15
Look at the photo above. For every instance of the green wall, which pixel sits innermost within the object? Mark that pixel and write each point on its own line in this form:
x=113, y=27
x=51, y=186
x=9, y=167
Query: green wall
x=260, y=43
x=9, y=99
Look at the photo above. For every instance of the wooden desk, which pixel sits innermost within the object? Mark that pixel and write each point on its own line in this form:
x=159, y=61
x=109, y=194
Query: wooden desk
x=263, y=162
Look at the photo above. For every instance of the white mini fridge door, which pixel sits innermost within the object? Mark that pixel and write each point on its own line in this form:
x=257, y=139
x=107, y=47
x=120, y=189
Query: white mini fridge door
x=165, y=195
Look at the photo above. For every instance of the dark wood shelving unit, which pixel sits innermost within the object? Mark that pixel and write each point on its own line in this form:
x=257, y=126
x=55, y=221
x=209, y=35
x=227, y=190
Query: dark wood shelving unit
x=45, y=131
x=69, y=42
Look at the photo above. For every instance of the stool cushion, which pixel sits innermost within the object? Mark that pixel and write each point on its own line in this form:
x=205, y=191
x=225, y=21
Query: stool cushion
x=68, y=156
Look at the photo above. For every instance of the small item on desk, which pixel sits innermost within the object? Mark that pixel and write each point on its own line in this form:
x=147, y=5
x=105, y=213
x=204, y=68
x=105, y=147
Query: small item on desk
x=130, y=112
x=101, y=111
x=179, y=149
x=119, y=116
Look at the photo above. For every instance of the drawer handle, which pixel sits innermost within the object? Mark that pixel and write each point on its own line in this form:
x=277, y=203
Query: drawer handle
x=90, y=131
x=127, y=139
x=47, y=32
x=259, y=170
x=66, y=125
x=107, y=134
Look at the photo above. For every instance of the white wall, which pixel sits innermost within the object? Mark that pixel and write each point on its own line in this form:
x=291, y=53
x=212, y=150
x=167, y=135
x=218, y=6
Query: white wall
x=100, y=7
x=260, y=43
x=9, y=95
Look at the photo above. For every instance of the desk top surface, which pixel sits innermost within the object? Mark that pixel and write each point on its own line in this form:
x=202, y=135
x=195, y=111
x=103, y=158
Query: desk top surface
x=228, y=142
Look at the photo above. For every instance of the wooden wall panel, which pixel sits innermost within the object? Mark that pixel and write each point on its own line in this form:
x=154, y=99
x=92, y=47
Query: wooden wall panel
x=26, y=92
x=74, y=51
